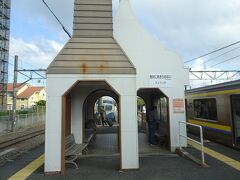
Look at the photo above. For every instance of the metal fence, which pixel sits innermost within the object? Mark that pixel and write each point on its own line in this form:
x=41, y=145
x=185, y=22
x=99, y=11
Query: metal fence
x=200, y=143
x=23, y=121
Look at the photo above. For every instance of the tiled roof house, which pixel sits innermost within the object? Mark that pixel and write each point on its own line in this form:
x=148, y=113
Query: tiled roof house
x=27, y=95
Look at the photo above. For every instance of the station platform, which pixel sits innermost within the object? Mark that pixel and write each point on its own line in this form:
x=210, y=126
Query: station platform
x=153, y=166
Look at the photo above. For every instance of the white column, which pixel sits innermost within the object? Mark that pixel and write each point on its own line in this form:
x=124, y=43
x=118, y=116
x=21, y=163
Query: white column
x=129, y=132
x=77, y=121
x=53, y=134
x=174, y=126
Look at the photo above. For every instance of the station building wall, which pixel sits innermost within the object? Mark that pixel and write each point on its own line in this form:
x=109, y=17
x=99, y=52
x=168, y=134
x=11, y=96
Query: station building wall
x=149, y=56
x=124, y=85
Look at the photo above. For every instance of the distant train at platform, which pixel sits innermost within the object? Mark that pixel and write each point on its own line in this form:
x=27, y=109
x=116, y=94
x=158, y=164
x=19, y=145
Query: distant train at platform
x=217, y=109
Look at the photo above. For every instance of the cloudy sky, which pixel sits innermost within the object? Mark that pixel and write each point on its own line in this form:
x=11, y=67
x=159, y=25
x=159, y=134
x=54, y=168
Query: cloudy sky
x=189, y=27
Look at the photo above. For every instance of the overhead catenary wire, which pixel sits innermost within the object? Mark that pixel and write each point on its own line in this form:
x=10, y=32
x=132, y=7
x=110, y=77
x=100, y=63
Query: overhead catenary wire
x=27, y=63
x=217, y=50
x=24, y=62
x=63, y=27
x=211, y=59
x=230, y=59
x=36, y=71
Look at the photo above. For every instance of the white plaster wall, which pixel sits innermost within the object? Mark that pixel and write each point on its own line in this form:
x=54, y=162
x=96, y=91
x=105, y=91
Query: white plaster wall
x=76, y=121
x=129, y=132
x=57, y=85
x=78, y=97
x=53, y=132
x=150, y=56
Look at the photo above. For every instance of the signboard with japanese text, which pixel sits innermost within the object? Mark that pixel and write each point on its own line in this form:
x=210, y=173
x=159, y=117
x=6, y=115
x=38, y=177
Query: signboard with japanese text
x=178, y=106
x=161, y=80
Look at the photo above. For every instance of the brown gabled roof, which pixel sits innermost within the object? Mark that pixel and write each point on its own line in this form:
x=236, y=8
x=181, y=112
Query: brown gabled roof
x=29, y=92
x=92, y=49
x=10, y=86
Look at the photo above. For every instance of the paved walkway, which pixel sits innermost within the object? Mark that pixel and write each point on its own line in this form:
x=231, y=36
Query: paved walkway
x=163, y=166
x=151, y=168
x=107, y=144
x=21, y=162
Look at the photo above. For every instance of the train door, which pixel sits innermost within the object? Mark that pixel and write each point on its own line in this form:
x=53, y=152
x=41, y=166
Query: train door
x=236, y=118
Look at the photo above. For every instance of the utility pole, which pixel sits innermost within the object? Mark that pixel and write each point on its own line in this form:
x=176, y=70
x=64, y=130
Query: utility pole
x=14, y=112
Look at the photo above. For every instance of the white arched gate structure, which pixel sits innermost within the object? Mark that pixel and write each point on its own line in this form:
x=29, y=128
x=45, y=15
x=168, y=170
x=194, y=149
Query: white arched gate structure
x=124, y=61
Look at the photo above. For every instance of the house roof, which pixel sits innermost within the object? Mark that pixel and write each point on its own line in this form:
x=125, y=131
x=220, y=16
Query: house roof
x=10, y=86
x=92, y=49
x=29, y=92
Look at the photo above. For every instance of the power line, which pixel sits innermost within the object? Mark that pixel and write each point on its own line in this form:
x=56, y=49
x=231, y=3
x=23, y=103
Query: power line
x=22, y=61
x=63, y=27
x=224, y=61
x=36, y=71
x=215, y=57
x=212, y=52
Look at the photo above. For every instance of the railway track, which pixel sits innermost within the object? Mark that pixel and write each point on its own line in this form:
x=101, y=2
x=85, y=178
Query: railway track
x=21, y=138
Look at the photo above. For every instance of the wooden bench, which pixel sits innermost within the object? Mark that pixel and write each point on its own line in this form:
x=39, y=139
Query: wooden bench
x=73, y=151
x=91, y=135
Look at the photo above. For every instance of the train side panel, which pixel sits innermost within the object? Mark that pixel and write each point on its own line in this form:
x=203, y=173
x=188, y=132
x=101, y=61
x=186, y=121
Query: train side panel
x=217, y=129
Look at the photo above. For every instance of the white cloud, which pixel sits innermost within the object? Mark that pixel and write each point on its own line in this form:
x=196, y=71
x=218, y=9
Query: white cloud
x=198, y=65
x=189, y=27
x=36, y=10
x=39, y=52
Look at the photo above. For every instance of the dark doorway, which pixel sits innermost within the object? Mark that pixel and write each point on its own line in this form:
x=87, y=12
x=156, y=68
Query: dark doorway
x=101, y=114
x=150, y=99
x=86, y=93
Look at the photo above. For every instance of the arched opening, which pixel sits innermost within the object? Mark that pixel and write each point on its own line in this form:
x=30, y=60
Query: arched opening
x=101, y=115
x=106, y=112
x=153, y=120
x=79, y=119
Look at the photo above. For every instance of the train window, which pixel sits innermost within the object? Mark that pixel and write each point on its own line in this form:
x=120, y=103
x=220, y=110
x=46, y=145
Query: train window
x=205, y=109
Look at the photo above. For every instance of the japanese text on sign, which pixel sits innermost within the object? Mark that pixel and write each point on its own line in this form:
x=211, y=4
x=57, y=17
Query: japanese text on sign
x=161, y=80
x=178, y=106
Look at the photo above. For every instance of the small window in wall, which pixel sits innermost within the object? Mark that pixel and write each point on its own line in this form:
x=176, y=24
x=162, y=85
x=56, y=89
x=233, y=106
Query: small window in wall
x=22, y=106
x=205, y=109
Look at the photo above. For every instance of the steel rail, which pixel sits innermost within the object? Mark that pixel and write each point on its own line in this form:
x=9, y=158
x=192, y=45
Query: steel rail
x=25, y=137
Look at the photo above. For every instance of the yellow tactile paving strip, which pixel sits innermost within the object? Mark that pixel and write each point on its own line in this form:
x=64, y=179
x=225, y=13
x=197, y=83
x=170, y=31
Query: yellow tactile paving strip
x=29, y=169
x=33, y=166
x=225, y=159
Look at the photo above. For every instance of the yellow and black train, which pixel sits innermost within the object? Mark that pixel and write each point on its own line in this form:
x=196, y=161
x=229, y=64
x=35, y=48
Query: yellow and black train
x=217, y=109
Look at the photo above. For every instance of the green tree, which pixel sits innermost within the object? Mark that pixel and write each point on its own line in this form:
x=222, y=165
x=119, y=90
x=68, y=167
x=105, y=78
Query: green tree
x=140, y=103
x=41, y=103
